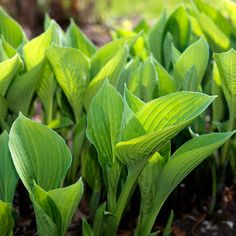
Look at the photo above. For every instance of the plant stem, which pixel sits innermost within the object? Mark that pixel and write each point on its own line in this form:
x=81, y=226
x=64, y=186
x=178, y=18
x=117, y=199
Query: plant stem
x=214, y=185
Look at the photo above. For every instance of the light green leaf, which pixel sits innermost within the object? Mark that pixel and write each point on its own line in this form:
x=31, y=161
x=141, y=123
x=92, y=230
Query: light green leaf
x=8, y=175
x=215, y=15
x=61, y=122
x=179, y=26
x=134, y=102
x=46, y=92
x=72, y=75
x=67, y=199
x=182, y=162
x=33, y=156
x=105, y=54
x=8, y=69
x=87, y=230
x=22, y=89
x=45, y=224
x=111, y=71
x=195, y=56
x=6, y=219
x=6, y=50
x=77, y=39
x=156, y=36
x=226, y=63
x=165, y=82
x=104, y=122
x=34, y=50
x=217, y=40
x=11, y=30
x=161, y=120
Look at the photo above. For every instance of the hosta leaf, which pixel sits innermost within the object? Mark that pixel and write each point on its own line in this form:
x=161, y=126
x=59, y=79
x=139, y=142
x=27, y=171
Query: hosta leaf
x=185, y=159
x=230, y=7
x=217, y=40
x=70, y=74
x=216, y=16
x=182, y=162
x=161, y=120
x=104, y=54
x=218, y=107
x=195, y=56
x=227, y=69
x=46, y=92
x=87, y=230
x=8, y=70
x=6, y=50
x=6, y=219
x=34, y=50
x=156, y=37
x=33, y=156
x=8, y=175
x=45, y=224
x=143, y=81
x=134, y=102
x=147, y=182
x=77, y=39
x=67, y=200
x=167, y=48
x=61, y=122
x=22, y=89
x=45, y=207
x=165, y=82
x=3, y=108
x=104, y=121
x=179, y=26
x=111, y=71
x=11, y=30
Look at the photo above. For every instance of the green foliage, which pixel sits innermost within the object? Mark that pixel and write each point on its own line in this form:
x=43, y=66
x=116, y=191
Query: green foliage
x=120, y=115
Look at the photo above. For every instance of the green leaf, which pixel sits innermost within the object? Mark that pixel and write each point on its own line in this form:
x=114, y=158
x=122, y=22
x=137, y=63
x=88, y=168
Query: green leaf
x=45, y=224
x=195, y=58
x=215, y=15
x=111, y=71
x=6, y=219
x=59, y=205
x=77, y=39
x=8, y=175
x=3, y=108
x=6, y=50
x=161, y=120
x=104, y=121
x=147, y=183
x=143, y=81
x=46, y=92
x=134, y=102
x=218, y=107
x=156, y=36
x=11, y=30
x=34, y=50
x=33, y=156
x=8, y=69
x=87, y=230
x=182, y=162
x=67, y=200
x=22, y=89
x=165, y=82
x=61, y=122
x=105, y=54
x=72, y=75
x=179, y=26
x=217, y=40
x=227, y=69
